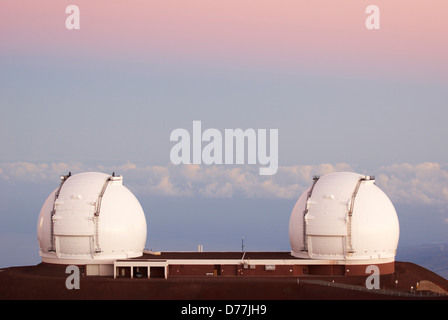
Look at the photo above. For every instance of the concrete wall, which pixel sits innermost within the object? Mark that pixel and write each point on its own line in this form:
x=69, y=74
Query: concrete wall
x=249, y=270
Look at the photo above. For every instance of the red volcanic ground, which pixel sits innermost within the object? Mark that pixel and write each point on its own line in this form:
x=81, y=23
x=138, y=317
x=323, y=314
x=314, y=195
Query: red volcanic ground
x=46, y=281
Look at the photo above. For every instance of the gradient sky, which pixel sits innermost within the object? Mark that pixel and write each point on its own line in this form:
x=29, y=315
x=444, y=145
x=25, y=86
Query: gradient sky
x=154, y=66
x=111, y=92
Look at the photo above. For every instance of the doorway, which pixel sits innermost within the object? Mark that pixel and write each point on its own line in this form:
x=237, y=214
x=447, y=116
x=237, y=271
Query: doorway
x=217, y=270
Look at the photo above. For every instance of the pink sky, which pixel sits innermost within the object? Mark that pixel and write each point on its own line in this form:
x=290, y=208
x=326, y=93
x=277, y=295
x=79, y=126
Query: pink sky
x=286, y=33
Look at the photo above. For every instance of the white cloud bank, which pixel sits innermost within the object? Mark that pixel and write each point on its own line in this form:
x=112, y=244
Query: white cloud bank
x=425, y=183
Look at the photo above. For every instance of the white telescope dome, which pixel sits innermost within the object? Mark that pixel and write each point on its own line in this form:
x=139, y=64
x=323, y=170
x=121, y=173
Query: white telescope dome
x=344, y=216
x=91, y=218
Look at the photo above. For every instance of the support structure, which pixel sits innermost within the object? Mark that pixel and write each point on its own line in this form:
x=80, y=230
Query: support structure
x=53, y=212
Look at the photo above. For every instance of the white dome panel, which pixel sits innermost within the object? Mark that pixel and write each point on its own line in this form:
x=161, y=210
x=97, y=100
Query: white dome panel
x=344, y=215
x=91, y=218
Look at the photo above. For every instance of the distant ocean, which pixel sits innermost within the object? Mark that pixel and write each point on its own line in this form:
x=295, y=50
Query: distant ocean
x=432, y=256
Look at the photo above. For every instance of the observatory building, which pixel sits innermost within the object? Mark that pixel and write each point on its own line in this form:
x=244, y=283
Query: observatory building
x=339, y=226
x=344, y=217
x=91, y=219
